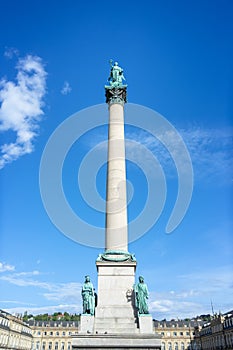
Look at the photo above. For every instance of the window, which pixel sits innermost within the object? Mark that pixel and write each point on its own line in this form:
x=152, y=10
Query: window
x=69, y=346
x=163, y=346
x=50, y=345
x=57, y=333
x=181, y=333
x=63, y=333
x=43, y=346
x=38, y=332
x=62, y=346
x=51, y=333
x=176, y=346
x=182, y=346
x=162, y=333
x=187, y=333
x=175, y=334
x=56, y=346
x=169, y=346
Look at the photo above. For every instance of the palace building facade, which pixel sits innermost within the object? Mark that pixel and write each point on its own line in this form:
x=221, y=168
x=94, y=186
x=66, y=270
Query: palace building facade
x=14, y=333
x=176, y=335
x=53, y=335
x=57, y=335
x=216, y=334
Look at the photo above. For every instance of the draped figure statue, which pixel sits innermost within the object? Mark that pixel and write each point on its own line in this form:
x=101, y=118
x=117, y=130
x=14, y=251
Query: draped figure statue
x=141, y=296
x=88, y=297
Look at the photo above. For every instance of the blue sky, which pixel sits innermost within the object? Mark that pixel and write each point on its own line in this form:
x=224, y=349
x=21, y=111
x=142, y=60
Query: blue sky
x=177, y=58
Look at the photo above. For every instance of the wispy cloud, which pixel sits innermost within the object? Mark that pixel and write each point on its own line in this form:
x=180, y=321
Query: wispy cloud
x=22, y=282
x=21, y=108
x=169, y=309
x=50, y=309
x=16, y=302
x=219, y=279
x=6, y=267
x=210, y=150
x=28, y=273
x=193, y=292
x=64, y=291
x=53, y=291
x=66, y=89
x=10, y=52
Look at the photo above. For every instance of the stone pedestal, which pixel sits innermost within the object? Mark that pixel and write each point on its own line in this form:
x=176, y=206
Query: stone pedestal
x=115, y=312
x=86, y=324
x=145, y=324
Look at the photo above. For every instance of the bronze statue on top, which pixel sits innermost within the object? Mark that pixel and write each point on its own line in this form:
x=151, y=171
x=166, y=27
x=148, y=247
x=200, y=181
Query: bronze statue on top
x=116, y=75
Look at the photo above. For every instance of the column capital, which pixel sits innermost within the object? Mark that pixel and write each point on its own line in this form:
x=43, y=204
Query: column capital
x=116, y=94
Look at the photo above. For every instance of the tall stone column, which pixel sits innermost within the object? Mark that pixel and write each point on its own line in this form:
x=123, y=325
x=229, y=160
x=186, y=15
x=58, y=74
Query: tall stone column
x=116, y=323
x=116, y=238
x=115, y=311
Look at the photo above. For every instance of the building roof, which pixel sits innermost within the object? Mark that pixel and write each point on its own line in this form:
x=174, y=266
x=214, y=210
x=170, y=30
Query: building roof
x=177, y=324
x=57, y=323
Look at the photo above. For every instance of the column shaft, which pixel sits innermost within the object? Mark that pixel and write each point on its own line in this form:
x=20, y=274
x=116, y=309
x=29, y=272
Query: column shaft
x=116, y=207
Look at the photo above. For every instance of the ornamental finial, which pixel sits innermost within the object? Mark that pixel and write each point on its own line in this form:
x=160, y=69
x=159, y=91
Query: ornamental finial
x=115, y=92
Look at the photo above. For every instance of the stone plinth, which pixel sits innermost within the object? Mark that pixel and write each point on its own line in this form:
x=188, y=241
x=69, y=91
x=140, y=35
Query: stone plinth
x=145, y=324
x=86, y=324
x=123, y=342
x=115, y=312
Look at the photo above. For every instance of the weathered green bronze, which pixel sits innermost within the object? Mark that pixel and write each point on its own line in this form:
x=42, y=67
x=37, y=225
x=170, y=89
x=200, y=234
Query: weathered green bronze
x=116, y=75
x=116, y=255
x=88, y=297
x=141, y=296
x=115, y=92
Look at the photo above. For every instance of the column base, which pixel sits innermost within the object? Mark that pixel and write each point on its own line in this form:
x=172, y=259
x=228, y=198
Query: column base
x=115, y=312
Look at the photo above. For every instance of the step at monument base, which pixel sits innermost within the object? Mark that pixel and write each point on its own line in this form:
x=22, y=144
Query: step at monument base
x=116, y=342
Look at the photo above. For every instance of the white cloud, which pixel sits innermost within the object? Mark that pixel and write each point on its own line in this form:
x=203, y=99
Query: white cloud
x=171, y=309
x=21, y=108
x=210, y=282
x=16, y=302
x=6, y=267
x=64, y=291
x=70, y=291
x=14, y=279
x=192, y=294
x=50, y=309
x=10, y=52
x=66, y=89
x=67, y=296
x=29, y=273
x=210, y=150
